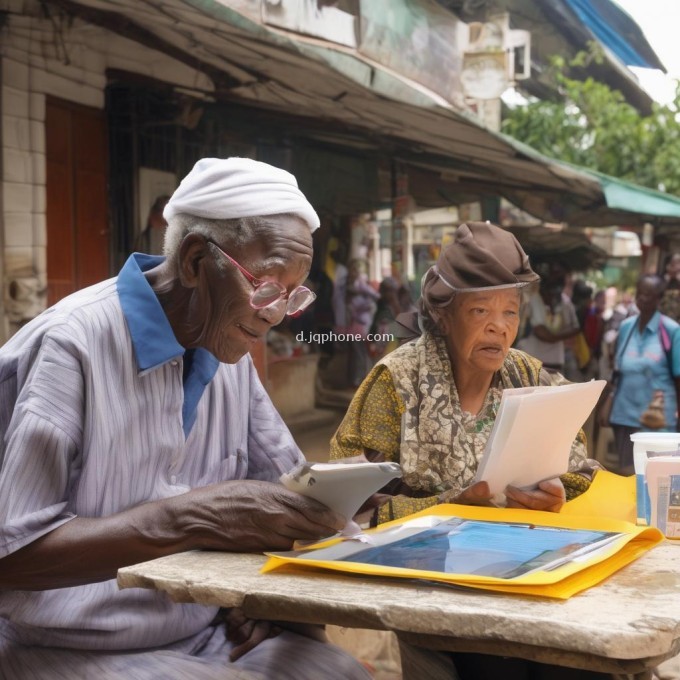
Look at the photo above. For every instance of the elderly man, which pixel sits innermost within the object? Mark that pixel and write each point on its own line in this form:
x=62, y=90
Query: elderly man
x=134, y=426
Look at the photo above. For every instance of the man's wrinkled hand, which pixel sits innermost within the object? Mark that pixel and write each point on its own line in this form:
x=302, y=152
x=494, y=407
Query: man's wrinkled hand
x=254, y=516
x=549, y=496
x=246, y=634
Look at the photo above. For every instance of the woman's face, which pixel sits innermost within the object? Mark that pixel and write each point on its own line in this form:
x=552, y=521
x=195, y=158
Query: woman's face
x=648, y=296
x=481, y=327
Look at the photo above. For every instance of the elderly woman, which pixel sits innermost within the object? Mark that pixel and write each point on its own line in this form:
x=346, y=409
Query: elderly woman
x=431, y=404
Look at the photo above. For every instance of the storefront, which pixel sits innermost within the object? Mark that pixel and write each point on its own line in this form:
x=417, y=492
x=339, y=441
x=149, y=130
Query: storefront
x=159, y=84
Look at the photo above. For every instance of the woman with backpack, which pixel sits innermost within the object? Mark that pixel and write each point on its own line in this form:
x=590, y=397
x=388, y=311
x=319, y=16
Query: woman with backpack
x=646, y=377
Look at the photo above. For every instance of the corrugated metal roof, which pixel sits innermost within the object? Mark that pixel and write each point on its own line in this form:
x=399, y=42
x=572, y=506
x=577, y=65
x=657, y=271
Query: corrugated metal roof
x=350, y=98
x=573, y=247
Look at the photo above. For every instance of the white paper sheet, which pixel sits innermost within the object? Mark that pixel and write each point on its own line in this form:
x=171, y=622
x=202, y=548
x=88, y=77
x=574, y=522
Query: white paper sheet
x=341, y=487
x=533, y=433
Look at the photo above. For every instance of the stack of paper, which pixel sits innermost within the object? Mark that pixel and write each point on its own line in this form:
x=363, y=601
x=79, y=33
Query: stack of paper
x=342, y=487
x=533, y=433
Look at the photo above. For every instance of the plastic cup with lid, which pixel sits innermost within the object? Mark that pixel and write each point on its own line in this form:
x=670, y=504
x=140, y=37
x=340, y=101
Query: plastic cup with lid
x=644, y=443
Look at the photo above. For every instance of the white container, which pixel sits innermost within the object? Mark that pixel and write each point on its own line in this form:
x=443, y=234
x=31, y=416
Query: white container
x=663, y=483
x=652, y=442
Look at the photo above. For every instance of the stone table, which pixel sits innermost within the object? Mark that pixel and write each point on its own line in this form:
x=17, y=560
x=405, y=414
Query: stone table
x=626, y=625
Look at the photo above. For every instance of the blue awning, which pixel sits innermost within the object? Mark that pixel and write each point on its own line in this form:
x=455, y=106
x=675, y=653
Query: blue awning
x=617, y=31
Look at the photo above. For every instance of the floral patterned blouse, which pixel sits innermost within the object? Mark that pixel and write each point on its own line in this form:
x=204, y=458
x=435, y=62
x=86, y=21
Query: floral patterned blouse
x=403, y=412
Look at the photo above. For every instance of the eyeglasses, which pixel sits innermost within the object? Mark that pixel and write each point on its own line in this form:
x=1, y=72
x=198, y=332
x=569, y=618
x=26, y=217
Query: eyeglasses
x=268, y=293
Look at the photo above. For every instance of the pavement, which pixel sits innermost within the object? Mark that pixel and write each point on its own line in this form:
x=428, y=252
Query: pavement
x=313, y=429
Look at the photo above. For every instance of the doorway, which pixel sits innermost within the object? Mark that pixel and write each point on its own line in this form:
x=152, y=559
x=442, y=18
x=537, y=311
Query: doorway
x=77, y=219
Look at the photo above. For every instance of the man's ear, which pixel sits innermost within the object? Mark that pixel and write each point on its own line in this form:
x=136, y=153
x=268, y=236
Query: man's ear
x=193, y=250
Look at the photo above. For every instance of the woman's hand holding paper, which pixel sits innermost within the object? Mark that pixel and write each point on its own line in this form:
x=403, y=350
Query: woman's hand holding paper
x=475, y=494
x=549, y=496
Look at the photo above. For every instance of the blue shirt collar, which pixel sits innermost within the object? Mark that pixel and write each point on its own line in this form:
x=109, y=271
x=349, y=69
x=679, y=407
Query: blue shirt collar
x=152, y=336
x=653, y=324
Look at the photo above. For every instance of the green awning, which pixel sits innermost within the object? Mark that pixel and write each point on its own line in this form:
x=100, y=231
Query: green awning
x=622, y=202
x=623, y=195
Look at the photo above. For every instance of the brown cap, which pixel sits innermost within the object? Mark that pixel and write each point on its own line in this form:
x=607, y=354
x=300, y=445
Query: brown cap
x=481, y=257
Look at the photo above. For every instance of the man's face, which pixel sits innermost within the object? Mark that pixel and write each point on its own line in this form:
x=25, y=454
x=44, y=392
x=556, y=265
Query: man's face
x=229, y=325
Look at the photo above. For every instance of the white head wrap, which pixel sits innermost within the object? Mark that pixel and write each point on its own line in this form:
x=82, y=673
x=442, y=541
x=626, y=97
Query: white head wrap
x=226, y=188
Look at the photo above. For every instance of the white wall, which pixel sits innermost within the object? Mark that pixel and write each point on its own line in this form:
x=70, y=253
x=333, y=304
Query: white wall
x=68, y=60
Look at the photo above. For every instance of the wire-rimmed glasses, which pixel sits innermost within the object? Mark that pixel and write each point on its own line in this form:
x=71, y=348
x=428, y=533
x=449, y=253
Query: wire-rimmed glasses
x=268, y=293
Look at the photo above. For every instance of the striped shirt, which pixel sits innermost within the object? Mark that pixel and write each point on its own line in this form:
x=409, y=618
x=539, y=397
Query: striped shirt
x=97, y=415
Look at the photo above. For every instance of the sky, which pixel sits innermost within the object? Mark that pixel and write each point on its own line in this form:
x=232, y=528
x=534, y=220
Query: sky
x=660, y=22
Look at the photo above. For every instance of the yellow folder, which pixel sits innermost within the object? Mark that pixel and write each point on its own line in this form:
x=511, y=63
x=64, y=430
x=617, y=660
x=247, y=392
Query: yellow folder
x=602, y=508
x=609, y=495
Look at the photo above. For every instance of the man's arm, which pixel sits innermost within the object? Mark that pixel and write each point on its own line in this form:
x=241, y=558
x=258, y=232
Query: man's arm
x=243, y=516
x=538, y=321
x=42, y=544
x=271, y=447
x=542, y=333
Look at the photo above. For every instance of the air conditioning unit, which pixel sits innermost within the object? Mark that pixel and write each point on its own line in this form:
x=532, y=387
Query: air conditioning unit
x=496, y=57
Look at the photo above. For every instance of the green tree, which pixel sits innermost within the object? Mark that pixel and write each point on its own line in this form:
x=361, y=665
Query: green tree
x=593, y=126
